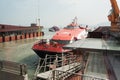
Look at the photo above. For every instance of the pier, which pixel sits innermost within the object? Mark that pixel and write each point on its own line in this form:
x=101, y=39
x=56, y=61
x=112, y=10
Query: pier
x=87, y=67
x=74, y=67
x=48, y=66
x=89, y=63
x=12, y=71
x=13, y=32
x=93, y=70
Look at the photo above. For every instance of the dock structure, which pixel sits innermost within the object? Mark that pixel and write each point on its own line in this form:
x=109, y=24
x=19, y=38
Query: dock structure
x=48, y=67
x=96, y=66
x=48, y=75
x=74, y=69
x=95, y=69
x=12, y=71
x=13, y=32
x=106, y=47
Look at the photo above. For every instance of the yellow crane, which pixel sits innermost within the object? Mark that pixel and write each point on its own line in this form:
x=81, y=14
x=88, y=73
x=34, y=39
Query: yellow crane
x=114, y=16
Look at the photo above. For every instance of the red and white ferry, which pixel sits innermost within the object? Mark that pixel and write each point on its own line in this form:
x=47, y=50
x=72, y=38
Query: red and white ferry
x=67, y=35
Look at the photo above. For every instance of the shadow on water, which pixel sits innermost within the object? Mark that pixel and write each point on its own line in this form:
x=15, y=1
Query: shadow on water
x=31, y=61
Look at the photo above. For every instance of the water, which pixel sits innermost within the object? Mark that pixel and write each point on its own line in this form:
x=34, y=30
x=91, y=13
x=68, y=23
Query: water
x=20, y=51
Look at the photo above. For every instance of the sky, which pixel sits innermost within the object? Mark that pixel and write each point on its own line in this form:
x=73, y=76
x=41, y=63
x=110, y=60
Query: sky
x=54, y=12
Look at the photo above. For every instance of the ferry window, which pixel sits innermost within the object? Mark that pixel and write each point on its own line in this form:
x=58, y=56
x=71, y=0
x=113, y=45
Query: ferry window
x=61, y=41
x=69, y=27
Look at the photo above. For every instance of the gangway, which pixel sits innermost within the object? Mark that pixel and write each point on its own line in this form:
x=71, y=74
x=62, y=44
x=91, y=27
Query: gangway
x=75, y=76
x=74, y=67
x=46, y=66
x=94, y=70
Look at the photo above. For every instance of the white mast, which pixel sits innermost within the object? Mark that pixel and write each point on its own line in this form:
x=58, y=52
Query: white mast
x=38, y=16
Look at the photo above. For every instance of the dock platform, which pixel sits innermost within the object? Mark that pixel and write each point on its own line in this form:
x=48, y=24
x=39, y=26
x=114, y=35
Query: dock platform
x=96, y=66
x=70, y=68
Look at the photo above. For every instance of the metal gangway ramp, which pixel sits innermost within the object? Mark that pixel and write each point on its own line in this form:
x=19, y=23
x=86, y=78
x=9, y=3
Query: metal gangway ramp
x=55, y=62
x=94, y=70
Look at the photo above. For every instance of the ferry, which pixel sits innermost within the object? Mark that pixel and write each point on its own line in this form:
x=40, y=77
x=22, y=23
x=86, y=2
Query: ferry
x=54, y=29
x=67, y=35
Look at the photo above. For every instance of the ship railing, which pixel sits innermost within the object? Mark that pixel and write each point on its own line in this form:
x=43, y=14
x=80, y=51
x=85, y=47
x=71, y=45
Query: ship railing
x=57, y=62
x=67, y=75
x=51, y=62
x=37, y=69
x=73, y=65
x=43, y=64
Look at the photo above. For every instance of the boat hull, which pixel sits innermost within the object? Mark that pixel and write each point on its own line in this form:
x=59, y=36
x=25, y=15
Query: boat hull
x=42, y=54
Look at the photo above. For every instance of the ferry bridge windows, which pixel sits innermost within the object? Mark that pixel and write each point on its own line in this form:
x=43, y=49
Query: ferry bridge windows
x=61, y=41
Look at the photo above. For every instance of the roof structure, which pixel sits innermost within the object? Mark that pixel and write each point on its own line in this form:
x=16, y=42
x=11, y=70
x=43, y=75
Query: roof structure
x=94, y=44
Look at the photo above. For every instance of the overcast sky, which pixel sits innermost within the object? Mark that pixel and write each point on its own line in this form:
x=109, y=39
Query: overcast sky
x=54, y=12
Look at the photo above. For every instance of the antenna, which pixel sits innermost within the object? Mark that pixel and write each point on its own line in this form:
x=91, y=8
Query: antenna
x=39, y=24
x=38, y=16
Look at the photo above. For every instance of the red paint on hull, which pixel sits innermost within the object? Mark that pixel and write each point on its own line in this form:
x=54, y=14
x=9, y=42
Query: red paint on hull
x=12, y=38
x=22, y=36
x=31, y=35
x=18, y=37
x=6, y=38
x=64, y=36
x=34, y=34
x=1, y=39
x=26, y=35
x=55, y=48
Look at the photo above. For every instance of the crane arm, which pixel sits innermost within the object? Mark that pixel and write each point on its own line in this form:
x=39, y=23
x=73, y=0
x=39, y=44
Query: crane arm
x=115, y=7
x=114, y=16
x=114, y=12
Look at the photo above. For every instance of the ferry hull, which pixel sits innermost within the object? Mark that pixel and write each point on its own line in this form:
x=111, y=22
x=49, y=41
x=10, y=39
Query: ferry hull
x=42, y=54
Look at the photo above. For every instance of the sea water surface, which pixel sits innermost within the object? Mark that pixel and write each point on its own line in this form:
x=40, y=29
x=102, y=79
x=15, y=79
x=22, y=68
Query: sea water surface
x=20, y=51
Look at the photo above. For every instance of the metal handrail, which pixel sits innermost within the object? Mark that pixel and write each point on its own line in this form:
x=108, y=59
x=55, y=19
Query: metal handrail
x=58, y=62
x=84, y=76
